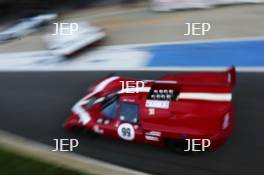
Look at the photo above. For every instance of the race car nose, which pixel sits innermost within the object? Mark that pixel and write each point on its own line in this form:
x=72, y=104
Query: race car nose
x=72, y=121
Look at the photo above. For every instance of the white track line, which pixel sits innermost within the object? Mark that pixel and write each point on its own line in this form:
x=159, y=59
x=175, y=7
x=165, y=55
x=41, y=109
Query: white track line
x=118, y=67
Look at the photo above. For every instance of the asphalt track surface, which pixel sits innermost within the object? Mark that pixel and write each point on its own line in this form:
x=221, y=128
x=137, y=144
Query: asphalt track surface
x=35, y=105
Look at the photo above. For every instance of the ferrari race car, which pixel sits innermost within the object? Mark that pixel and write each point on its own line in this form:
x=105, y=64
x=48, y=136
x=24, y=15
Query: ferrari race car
x=169, y=111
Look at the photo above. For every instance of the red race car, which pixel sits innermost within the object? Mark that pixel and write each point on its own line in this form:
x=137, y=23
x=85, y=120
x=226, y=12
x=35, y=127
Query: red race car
x=183, y=111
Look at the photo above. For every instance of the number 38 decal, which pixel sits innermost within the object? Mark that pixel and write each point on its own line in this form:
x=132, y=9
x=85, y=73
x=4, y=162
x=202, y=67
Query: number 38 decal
x=126, y=131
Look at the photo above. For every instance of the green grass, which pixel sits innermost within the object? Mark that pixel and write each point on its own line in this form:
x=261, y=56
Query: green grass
x=13, y=164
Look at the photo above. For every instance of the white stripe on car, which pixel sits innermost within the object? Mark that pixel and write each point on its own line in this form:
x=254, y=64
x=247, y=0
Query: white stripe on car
x=205, y=96
x=78, y=107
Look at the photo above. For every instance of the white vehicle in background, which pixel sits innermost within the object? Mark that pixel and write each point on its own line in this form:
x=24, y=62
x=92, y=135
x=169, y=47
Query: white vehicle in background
x=226, y=2
x=170, y=5
x=25, y=26
x=66, y=45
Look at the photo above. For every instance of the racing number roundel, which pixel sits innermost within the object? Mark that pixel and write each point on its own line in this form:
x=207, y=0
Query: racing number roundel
x=126, y=131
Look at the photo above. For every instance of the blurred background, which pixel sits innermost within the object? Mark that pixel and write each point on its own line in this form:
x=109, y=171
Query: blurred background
x=138, y=21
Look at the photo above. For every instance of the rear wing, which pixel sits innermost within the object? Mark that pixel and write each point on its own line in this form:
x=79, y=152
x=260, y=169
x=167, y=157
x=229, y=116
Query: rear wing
x=227, y=77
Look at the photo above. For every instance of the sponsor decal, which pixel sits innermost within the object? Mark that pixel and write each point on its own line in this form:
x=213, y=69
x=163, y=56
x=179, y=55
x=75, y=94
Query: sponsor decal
x=157, y=104
x=152, y=135
x=152, y=138
x=151, y=111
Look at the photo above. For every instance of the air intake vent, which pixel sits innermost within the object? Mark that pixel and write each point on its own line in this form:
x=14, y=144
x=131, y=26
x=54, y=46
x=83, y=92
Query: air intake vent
x=162, y=94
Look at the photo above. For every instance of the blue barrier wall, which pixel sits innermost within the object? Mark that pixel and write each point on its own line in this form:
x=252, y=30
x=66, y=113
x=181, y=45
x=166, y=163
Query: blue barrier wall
x=211, y=54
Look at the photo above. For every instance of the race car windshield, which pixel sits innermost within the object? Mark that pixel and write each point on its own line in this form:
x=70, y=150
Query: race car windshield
x=129, y=112
x=110, y=106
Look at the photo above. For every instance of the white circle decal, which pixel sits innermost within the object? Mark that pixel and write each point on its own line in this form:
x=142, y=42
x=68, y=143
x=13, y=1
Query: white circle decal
x=126, y=131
